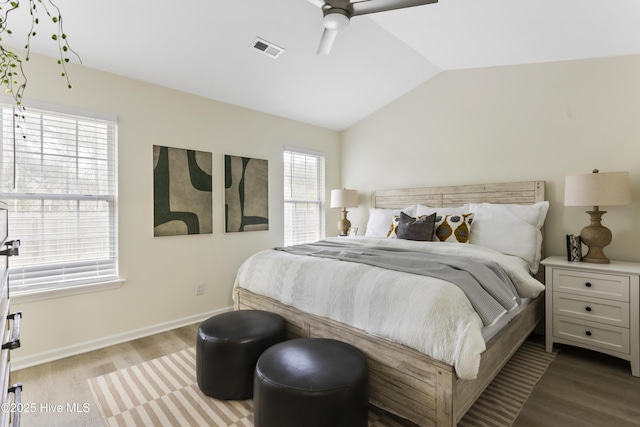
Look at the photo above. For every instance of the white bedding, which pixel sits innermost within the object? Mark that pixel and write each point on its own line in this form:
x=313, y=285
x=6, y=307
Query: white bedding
x=424, y=313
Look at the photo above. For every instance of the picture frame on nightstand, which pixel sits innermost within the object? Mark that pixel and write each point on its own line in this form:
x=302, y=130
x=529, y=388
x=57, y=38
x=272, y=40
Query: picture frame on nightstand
x=574, y=248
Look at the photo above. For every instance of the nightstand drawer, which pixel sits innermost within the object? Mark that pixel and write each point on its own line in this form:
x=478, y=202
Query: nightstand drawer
x=592, y=334
x=596, y=285
x=599, y=310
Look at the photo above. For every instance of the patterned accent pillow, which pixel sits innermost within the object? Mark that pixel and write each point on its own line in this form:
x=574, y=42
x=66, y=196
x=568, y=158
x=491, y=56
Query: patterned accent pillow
x=453, y=228
x=393, y=228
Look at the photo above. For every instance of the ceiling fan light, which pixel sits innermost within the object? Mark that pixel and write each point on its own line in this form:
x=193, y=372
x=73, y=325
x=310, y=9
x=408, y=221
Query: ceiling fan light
x=335, y=21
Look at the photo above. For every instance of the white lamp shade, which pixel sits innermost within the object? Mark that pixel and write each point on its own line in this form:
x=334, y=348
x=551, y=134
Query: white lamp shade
x=597, y=189
x=343, y=198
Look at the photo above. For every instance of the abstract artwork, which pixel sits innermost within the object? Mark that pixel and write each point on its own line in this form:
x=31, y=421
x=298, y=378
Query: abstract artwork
x=182, y=196
x=246, y=195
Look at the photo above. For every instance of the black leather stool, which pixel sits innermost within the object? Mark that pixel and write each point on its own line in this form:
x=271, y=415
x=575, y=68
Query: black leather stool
x=311, y=382
x=228, y=348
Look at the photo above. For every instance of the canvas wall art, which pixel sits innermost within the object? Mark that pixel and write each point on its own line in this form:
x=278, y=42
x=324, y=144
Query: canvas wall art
x=246, y=194
x=182, y=196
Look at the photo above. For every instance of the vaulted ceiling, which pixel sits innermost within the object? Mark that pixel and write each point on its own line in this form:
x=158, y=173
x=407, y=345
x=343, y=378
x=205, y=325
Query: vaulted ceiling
x=204, y=47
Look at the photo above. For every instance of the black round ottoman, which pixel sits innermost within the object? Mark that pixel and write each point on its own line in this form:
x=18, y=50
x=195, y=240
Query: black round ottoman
x=228, y=347
x=311, y=382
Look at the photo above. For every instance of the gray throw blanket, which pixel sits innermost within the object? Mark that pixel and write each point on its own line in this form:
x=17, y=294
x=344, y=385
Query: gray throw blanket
x=486, y=285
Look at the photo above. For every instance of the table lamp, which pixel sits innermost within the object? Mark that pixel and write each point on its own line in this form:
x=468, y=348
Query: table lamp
x=597, y=189
x=343, y=198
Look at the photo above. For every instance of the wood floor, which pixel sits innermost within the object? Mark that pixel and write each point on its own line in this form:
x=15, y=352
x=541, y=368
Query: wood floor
x=580, y=388
x=65, y=381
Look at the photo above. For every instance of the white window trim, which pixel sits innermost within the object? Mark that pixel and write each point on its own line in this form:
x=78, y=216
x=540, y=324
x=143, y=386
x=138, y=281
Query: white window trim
x=62, y=109
x=322, y=190
x=25, y=296
x=45, y=293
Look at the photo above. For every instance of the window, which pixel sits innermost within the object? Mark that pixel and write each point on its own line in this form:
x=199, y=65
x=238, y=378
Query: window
x=303, y=197
x=58, y=175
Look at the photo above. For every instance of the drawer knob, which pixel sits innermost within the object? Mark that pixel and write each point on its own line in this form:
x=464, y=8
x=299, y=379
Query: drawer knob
x=588, y=285
x=588, y=308
x=588, y=333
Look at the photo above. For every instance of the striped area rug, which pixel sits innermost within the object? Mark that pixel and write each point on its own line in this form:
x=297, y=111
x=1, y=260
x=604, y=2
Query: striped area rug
x=502, y=401
x=164, y=392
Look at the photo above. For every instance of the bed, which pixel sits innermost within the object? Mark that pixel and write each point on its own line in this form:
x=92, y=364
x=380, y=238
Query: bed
x=404, y=380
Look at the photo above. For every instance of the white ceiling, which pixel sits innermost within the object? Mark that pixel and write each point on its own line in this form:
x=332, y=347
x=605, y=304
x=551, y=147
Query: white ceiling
x=203, y=46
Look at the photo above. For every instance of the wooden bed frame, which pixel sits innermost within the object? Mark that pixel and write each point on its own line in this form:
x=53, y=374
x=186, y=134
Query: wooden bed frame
x=404, y=381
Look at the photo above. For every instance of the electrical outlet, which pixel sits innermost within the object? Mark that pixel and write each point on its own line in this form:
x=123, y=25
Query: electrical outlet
x=199, y=288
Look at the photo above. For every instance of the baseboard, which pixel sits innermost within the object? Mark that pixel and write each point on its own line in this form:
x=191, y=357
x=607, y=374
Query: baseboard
x=60, y=353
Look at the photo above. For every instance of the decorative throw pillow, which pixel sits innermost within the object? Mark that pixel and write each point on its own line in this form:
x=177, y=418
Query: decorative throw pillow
x=454, y=228
x=420, y=228
x=393, y=228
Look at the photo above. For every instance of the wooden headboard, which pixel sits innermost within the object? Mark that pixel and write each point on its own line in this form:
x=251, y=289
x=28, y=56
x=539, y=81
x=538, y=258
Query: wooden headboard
x=522, y=193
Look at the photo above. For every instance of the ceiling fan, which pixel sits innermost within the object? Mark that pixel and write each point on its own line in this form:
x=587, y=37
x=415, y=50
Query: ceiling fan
x=338, y=13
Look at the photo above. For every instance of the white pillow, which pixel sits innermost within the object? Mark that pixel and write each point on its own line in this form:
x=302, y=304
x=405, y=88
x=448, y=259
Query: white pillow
x=380, y=220
x=510, y=229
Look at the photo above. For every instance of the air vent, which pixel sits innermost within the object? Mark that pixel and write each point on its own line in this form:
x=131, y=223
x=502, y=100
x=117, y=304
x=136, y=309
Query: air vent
x=267, y=48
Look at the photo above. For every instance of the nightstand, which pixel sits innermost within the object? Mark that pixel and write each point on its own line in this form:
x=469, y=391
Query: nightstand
x=594, y=306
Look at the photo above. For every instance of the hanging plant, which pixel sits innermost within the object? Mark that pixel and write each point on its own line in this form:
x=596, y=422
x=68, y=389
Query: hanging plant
x=12, y=75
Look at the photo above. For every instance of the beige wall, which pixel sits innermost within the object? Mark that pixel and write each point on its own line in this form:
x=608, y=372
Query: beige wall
x=161, y=273
x=529, y=122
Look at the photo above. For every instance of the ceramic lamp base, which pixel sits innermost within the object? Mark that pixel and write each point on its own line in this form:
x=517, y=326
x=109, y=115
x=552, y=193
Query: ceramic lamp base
x=344, y=224
x=596, y=237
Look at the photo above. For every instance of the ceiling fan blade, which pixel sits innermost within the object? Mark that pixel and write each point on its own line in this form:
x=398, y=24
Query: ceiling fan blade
x=318, y=3
x=372, y=6
x=328, y=36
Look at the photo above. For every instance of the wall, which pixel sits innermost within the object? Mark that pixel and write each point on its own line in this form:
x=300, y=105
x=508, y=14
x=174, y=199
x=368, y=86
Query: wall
x=541, y=121
x=513, y=123
x=161, y=273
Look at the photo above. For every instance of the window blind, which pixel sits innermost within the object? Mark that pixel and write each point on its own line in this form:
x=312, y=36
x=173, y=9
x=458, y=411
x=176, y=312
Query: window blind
x=58, y=174
x=304, y=192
